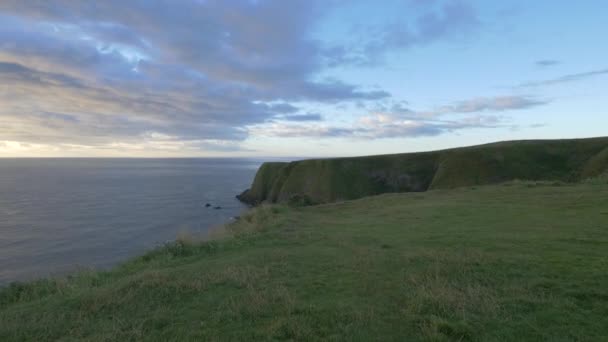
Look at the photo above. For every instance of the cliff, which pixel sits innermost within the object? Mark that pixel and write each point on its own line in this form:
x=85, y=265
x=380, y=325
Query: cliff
x=336, y=179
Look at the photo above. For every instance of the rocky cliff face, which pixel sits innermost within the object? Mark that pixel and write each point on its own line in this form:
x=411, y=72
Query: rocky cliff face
x=330, y=180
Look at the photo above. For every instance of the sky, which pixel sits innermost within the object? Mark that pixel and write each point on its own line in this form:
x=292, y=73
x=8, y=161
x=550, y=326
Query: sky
x=296, y=78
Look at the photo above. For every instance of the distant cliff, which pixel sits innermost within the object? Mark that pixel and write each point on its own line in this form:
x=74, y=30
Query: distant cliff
x=336, y=179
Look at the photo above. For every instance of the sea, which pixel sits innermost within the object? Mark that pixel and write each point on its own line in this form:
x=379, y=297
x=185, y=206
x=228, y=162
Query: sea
x=59, y=216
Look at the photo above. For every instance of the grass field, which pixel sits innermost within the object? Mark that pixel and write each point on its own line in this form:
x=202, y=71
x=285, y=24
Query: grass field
x=513, y=262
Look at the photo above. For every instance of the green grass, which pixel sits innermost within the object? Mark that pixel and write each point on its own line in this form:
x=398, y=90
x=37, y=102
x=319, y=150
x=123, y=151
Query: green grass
x=336, y=179
x=515, y=262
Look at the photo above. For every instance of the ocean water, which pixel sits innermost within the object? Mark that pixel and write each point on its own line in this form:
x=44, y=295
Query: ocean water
x=61, y=215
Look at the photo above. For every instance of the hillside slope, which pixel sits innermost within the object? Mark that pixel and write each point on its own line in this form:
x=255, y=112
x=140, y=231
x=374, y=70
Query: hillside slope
x=512, y=262
x=330, y=180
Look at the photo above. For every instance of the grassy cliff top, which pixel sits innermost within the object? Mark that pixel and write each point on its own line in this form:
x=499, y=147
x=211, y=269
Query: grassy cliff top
x=336, y=179
x=515, y=262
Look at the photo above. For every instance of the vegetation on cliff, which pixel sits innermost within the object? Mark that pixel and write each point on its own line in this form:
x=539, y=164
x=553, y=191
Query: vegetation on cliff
x=330, y=180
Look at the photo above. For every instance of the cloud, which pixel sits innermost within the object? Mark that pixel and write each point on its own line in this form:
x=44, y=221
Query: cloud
x=94, y=73
x=260, y=44
x=376, y=126
x=283, y=108
x=497, y=104
x=439, y=20
x=470, y=106
x=455, y=17
x=547, y=63
x=566, y=78
x=36, y=105
x=291, y=130
x=303, y=117
x=397, y=121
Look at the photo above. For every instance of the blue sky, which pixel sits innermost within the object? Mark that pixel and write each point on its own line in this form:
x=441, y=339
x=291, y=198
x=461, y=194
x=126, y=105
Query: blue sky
x=296, y=78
